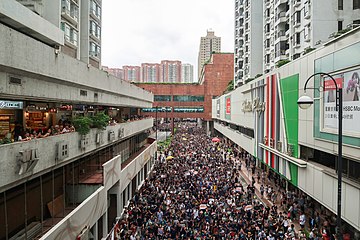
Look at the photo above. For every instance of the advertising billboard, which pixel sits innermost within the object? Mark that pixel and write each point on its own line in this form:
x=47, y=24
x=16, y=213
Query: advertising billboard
x=228, y=107
x=350, y=83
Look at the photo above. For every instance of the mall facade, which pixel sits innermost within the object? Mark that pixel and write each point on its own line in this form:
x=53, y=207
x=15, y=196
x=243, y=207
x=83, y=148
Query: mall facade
x=262, y=118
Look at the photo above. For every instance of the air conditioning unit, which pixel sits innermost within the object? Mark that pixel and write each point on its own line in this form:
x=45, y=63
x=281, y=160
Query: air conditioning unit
x=27, y=160
x=332, y=35
x=62, y=150
x=111, y=136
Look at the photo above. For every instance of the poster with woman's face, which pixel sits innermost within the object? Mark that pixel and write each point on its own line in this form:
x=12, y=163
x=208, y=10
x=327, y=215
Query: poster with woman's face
x=351, y=89
x=351, y=104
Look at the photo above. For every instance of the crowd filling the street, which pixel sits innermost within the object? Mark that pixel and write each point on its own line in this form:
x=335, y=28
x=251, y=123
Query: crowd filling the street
x=196, y=191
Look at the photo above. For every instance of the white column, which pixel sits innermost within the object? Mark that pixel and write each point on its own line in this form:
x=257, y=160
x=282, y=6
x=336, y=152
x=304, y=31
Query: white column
x=105, y=224
x=119, y=201
x=208, y=128
x=95, y=232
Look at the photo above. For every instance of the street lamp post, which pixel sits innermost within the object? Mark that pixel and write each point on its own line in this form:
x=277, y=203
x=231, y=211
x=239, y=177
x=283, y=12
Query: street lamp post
x=305, y=102
x=166, y=119
x=156, y=121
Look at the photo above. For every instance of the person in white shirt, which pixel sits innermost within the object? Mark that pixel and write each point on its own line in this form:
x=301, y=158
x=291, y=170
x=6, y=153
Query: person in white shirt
x=302, y=220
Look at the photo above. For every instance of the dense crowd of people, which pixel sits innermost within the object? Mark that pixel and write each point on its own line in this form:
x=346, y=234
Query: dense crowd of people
x=198, y=195
x=26, y=135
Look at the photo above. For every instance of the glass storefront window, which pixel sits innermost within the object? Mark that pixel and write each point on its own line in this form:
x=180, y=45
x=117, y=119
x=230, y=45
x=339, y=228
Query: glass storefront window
x=186, y=98
x=189, y=109
x=162, y=98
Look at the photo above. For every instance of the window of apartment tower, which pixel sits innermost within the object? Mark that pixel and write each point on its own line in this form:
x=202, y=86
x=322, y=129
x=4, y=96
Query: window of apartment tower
x=356, y=4
x=340, y=25
x=297, y=38
x=267, y=58
x=340, y=4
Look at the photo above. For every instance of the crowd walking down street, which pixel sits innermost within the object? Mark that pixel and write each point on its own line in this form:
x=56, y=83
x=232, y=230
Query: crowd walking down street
x=197, y=191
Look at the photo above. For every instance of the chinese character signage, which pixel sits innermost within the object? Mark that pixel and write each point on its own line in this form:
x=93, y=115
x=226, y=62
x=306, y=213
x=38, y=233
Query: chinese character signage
x=228, y=107
x=350, y=84
x=218, y=108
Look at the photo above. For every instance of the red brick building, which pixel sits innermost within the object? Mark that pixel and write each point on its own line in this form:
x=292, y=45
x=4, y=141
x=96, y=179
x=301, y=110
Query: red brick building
x=192, y=100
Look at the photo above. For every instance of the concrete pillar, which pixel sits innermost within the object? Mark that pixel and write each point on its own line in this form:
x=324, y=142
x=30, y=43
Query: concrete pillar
x=119, y=201
x=105, y=224
x=199, y=122
x=95, y=231
x=208, y=128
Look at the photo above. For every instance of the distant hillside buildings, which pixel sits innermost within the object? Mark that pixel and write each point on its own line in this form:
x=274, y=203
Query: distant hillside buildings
x=168, y=71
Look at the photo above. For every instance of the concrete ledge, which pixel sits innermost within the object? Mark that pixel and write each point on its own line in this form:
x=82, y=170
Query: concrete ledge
x=297, y=162
x=18, y=16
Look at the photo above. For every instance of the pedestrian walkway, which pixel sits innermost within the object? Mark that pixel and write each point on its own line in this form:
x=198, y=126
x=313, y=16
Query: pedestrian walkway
x=198, y=194
x=248, y=176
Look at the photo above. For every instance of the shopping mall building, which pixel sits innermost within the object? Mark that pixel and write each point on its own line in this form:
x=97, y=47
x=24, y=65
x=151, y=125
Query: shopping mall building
x=67, y=186
x=262, y=118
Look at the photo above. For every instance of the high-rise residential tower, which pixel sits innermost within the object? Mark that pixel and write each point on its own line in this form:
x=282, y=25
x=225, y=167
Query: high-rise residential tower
x=150, y=72
x=81, y=22
x=270, y=31
x=187, y=73
x=117, y=72
x=170, y=71
x=248, y=39
x=208, y=45
x=132, y=73
x=296, y=27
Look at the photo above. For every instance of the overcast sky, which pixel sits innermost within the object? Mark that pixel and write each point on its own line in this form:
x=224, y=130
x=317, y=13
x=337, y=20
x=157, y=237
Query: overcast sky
x=137, y=31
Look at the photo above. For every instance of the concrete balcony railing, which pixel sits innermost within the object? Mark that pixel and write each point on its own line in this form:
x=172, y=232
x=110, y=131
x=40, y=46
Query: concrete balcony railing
x=95, y=206
x=23, y=159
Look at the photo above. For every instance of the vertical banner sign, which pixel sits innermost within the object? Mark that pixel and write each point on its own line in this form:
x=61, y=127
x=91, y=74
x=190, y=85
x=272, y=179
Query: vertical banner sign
x=218, y=108
x=228, y=107
x=349, y=82
x=272, y=120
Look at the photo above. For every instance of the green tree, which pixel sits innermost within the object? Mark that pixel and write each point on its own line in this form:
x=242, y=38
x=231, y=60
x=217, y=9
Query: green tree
x=82, y=125
x=100, y=120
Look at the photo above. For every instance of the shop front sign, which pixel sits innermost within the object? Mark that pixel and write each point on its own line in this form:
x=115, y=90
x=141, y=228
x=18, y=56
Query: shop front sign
x=252, y=106
x=10, y=105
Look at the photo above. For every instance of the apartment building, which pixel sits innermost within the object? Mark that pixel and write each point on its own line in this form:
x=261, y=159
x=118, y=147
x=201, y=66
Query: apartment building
x=80, y=20
x=170, y=71
x=248, y=40
x=208, y=44
x=150, y=72
x=117, y=72
x=132, y=73
x=289, y=29
x=71, y=185
x=187, y=73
